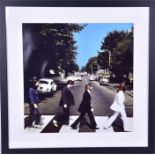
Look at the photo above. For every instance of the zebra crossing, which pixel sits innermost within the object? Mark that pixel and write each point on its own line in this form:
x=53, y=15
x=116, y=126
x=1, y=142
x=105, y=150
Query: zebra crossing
x=48, y=126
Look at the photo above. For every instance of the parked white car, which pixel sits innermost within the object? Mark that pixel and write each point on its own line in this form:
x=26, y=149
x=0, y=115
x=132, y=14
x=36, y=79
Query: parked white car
x=74, y=78
x=78, y=78
x=104, y=81
x=46, y=85
x=92, y=78
x=70, y=78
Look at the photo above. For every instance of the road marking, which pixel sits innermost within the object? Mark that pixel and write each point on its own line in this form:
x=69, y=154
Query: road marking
x=129, y=124
x=45, y=119
x=68, y=129
x=100, y=120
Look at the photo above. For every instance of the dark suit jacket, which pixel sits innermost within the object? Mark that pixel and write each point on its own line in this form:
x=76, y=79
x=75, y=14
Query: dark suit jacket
x=66, y=98
x=85, y=105
x=33, y=96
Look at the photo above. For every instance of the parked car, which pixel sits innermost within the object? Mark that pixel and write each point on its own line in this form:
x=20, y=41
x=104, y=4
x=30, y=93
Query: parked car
x=70, y=78
x=46, y=85
x=64, y=81
x=78, y=78
x=104, y=81
x=92, y=78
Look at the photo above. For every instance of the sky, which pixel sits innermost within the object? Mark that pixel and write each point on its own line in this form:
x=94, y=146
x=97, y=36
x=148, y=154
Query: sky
x=90, y=38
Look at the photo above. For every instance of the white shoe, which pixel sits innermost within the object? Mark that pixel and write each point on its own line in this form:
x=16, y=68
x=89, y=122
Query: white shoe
x=106, y=127
x=55, y=123
x=37, y=126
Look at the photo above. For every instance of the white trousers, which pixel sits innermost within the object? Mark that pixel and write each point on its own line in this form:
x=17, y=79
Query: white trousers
x=115, y=115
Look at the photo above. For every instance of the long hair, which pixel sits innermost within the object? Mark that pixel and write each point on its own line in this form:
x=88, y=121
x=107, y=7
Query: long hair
x=121, y=87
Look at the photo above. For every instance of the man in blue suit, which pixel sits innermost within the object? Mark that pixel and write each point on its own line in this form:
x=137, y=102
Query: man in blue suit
x=33, y=106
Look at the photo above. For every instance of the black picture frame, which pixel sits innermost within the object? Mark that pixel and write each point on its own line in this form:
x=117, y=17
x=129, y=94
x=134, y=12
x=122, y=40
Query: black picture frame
x=77, y=3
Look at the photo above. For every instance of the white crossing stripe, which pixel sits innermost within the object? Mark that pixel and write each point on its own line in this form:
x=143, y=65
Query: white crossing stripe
x=100, y=120
x=45, y=119
x=129, y=124
x=68, y=129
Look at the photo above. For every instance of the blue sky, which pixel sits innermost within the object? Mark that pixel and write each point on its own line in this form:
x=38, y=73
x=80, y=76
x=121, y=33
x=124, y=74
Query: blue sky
x=89, y=39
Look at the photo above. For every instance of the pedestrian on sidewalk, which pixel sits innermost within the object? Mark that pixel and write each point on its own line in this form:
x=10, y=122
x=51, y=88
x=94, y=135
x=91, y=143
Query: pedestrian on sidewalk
x=66, y=101
x=85, y=107
x=34, y=115
x=118, y=107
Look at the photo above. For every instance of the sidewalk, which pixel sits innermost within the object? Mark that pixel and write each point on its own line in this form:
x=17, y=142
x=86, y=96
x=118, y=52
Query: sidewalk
x=113, y=86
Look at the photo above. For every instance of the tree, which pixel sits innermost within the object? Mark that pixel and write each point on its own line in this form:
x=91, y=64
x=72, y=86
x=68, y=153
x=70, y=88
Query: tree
x=123, y=58
x=120, y=44
x=92, y=65
x=52, y=46
x=103, y=60
x=111, y=40
x=83, y=69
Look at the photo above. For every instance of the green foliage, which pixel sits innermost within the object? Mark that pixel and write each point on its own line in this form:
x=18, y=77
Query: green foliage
x=120, y=44
x=83, y=69
x=111, y=40
x=53, y=44
x=92, y=65
x=123, y=57
x=103, y=59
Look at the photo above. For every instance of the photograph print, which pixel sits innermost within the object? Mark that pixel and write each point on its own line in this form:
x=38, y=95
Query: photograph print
x=78, y=77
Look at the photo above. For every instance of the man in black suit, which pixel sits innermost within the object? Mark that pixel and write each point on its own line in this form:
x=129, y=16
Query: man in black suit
x=85, y=107
x=66, y=101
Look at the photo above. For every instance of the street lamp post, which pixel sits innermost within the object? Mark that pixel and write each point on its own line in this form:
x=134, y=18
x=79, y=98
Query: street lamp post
x=104, y=50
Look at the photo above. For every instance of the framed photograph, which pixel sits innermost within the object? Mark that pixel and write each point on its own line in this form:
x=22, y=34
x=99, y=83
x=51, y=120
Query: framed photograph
x=77, y=76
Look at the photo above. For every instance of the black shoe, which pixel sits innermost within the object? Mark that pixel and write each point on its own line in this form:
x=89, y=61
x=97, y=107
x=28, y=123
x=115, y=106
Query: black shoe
x=66, y=123
x=73, y=127
x=94, y=127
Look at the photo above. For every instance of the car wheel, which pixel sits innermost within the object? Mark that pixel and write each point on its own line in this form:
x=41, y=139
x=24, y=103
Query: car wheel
x=51, y=92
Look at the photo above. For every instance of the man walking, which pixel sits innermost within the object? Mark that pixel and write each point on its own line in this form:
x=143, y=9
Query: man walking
x=33, y=106
x=66, y=101
x=85, y=107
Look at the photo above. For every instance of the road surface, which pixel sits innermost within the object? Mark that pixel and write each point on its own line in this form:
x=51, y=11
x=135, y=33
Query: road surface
x=102, y=98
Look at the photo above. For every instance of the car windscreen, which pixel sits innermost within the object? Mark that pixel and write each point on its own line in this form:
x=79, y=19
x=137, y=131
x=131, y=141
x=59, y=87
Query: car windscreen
x=43, y=82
